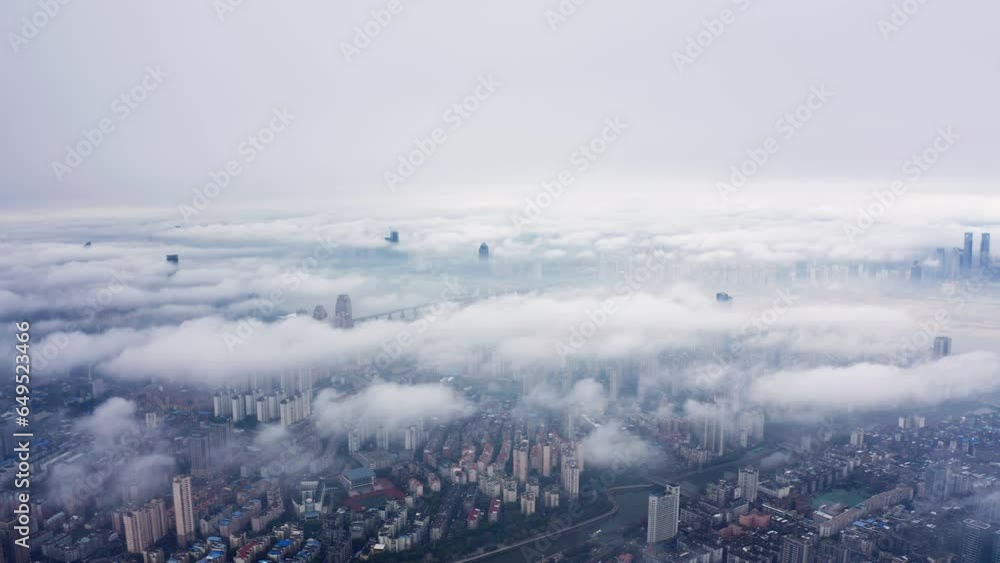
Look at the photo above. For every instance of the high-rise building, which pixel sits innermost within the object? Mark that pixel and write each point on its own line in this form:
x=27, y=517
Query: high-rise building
x=748, y=480
x=546, y=459
x=984, y=251
x=239, y=409
x=663, y=514
x=967, y=254
x=342, y=316
x=484, y=252
x=183, y=509
x=319, y=313
x=942, y=347
x=145, y=526
x=614, y=383
x=521, y=462
x=570, y=477
x=794, y=550
x=938, y=482
x=858, y=438
x=976, y=545
x=200, y=454
x=916, y=272
x=393, y=237
x=942, y=266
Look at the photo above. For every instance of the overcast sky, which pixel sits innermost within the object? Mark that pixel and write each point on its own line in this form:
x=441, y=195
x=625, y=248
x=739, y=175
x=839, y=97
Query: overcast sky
x=222, y=77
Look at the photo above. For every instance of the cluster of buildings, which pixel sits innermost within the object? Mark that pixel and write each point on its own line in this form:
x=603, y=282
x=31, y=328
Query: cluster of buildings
x=912, y=491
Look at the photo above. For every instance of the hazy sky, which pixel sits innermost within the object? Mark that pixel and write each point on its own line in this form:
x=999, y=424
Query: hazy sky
x=221, y=78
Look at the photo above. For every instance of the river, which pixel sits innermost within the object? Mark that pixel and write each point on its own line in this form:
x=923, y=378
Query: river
x=632, y=507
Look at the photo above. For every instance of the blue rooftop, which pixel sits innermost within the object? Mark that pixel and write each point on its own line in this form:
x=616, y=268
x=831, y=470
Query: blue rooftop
x=359, y=474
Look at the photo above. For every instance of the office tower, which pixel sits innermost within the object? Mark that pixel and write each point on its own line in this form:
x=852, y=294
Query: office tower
x=343, y=317
x=794, y=550
x=955, y=265
x=393, y=237
x=184, y=509
x=916, y=272
x=614, y=382
x=942, y=347
x=319, y=313
x=967, y=254
x=484, y=252
x=942, y=266
x=976, y=545
x=546, y=459
x=521, y=462
x=984, y=251
x=664, y=514
x=748, y=480
x=724, y=299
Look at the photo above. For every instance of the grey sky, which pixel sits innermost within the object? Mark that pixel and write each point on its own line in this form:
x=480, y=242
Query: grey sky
x=353, y=120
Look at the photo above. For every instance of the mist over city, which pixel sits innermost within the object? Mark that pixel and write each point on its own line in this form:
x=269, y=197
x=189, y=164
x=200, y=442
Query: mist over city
x=567, y=281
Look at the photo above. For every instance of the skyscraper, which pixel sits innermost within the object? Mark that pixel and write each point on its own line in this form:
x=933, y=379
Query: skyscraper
x=664, y=514
x=977, y=542
x=967, y=254
x=916, y=272
x=748, y=480
x=942, y=347
x=319, y=313
x=184, y=509
x=521, y=462
x=984, y=251
x=342, y=317
x=942, y=260
x=484, y=252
